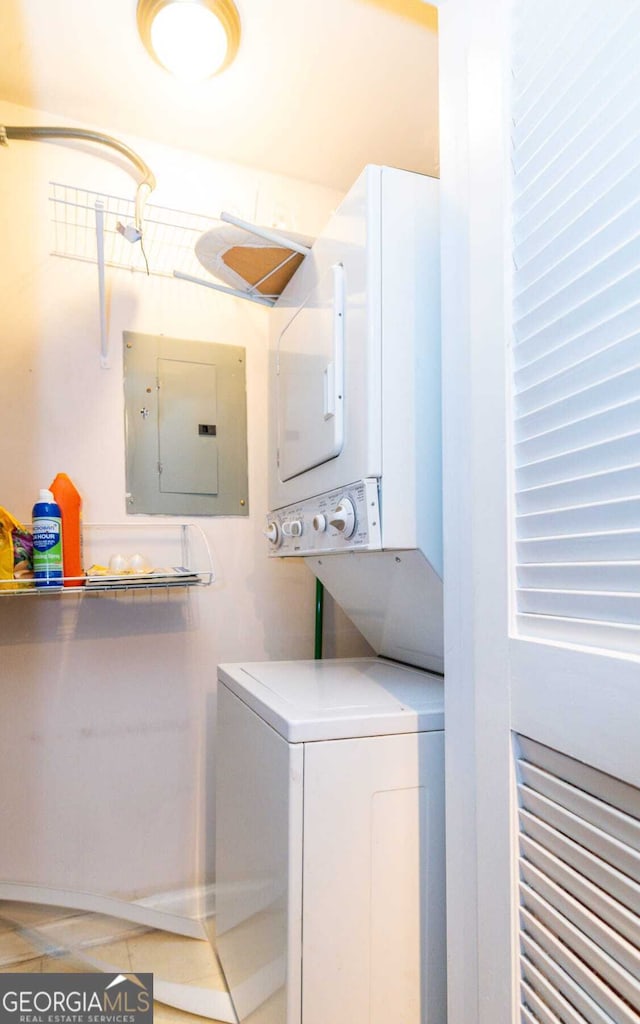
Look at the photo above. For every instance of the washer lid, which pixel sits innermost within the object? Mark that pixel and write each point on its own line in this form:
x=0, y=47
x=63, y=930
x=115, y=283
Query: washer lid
x=338, y=699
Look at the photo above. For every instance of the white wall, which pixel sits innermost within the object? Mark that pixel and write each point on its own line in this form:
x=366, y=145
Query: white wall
x=107, y=704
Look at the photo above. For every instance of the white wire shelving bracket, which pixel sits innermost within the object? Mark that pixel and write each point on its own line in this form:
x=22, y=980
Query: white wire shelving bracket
x=93, y=227
x=168, y=240
x=96, y=227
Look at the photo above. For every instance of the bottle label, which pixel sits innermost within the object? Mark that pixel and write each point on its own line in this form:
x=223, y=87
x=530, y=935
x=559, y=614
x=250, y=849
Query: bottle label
x=46, y=535
x=47, y=552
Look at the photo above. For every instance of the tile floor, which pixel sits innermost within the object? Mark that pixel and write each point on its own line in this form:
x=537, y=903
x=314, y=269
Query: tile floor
x=43, y=939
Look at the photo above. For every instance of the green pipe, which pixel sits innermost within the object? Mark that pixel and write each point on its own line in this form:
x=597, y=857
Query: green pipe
x=317, y=653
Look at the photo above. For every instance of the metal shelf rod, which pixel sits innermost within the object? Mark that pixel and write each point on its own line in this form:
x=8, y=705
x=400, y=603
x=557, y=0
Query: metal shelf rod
x=271, y=236
x=104, y=339
x=262, y=300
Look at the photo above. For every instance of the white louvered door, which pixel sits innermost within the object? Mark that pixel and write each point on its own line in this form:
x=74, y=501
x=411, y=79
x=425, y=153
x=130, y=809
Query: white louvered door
x=576, y=322
x=540, y=165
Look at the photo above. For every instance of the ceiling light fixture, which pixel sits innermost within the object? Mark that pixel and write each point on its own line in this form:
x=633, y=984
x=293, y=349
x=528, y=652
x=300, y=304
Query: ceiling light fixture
x=194, y=39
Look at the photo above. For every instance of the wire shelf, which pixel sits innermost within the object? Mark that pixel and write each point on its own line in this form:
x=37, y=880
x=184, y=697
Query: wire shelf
x=169, y=235
x=181, y=549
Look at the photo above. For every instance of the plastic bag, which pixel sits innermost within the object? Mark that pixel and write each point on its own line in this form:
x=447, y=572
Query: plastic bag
x=16, y=552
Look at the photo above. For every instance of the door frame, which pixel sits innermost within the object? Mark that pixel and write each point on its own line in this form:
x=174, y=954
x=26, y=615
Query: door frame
x=475, y=299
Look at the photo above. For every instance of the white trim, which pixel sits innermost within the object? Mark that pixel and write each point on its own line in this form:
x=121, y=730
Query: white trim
x=124, y=910
x=474, y=182
x=569, y=688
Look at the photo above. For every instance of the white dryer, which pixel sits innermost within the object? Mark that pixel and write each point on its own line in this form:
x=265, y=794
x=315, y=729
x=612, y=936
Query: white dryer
x=330, y=842
x=355, y=477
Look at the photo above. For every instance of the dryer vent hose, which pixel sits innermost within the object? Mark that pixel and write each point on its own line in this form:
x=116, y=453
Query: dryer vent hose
x=35, y=133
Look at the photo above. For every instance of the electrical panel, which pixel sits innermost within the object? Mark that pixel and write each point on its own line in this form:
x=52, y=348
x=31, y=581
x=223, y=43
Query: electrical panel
x=185, y=426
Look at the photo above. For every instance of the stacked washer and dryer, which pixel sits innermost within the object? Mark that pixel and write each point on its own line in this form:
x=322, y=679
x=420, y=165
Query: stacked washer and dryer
x=330, y=775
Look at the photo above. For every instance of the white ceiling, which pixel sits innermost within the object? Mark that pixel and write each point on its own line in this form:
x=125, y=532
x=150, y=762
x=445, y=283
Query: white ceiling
x=318, y=89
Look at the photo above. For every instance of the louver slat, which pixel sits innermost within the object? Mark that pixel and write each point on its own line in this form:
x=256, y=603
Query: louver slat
x=618, y=576
x=541, y=1012
x=574, y=273
x=594, y=983
x=588, y=863
x=601, y=425
x=568, y=384
x=560, y=101
x=613, y=913
x=597, y=343
x=610, y=393
x=601, y=458
x=533, y=341
x=576, y=323
x=604, y=845
x=585, y=933
x=545, y=1018
x=533, y=61
x=537, y=992
x=558, y=216
x=621, y=483
x=579, y=841
x=528, y=1018
x=546, y=975
x=583, y=632
x=621, y=795
x=611, y=148
x=574, y=604
x=617, y=824
x=617, y=515
x=599, y=548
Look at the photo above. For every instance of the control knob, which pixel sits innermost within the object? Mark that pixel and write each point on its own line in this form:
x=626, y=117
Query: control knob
x=343, y=519
x=272, y=533
x=292, y=528
x=320, y=523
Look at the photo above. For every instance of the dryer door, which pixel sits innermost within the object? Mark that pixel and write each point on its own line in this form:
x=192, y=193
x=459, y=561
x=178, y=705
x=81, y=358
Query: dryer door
x=310, y=380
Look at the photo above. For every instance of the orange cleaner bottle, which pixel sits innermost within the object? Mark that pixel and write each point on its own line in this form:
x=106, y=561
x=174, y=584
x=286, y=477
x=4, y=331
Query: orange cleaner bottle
x=70, y=502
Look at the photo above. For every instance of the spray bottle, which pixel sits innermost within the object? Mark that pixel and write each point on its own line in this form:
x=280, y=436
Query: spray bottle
x=47, y=542
x=70, y=503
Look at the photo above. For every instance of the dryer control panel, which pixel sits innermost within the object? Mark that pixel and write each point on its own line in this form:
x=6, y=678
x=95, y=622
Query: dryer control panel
x=341, y=520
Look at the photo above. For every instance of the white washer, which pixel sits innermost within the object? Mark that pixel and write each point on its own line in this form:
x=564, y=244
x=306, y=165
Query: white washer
x=330, y=842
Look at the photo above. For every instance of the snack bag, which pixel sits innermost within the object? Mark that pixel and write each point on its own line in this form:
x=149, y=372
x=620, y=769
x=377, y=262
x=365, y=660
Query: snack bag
x=14, y=540
x=22, y=555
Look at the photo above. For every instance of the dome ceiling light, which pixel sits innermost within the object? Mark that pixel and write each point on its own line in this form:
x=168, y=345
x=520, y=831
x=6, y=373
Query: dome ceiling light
x=193, y=39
